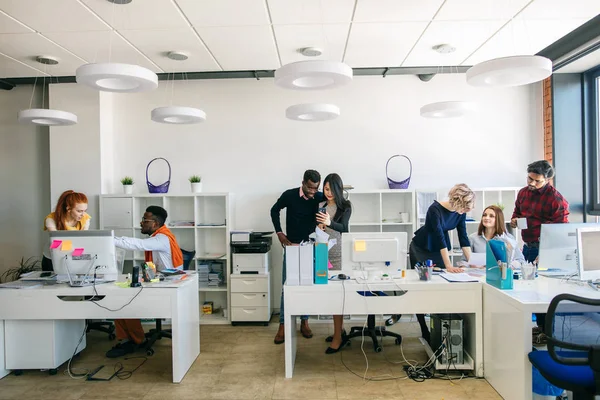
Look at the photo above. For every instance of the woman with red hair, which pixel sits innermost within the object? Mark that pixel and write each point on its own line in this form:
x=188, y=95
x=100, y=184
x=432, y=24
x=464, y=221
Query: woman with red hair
x=69, y=215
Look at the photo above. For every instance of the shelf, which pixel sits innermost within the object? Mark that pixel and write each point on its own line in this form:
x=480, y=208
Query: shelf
x=180, y=227
x=210, y=226
x=205, y=288
x=208, y=258
x=397, y=223
x=365, y=223
x=213, y=319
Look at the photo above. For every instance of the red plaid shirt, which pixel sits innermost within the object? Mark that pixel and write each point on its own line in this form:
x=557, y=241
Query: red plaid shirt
x=543, y=206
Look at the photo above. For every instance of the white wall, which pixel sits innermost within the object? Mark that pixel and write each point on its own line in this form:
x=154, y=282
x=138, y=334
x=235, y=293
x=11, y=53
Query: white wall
x=24, y=183
x=249, y=148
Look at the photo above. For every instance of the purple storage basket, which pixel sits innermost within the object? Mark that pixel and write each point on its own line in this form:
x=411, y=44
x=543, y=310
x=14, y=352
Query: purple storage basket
x=163, y=187
x=402, y=184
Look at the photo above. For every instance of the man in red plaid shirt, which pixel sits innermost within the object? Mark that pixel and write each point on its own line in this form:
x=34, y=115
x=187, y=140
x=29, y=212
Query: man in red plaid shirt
x=540, y=203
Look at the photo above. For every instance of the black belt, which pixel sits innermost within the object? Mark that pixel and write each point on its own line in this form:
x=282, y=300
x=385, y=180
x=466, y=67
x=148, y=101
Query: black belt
x=534, y=245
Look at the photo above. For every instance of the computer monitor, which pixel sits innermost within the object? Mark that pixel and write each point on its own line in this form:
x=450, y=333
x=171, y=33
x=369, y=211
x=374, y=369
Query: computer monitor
x=558, y=248
x=370, y=254
x=80, y=253
x=588, y=243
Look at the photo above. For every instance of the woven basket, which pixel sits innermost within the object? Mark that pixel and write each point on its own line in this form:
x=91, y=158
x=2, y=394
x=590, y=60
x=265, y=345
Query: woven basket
x=392, y=183
x=163, y=187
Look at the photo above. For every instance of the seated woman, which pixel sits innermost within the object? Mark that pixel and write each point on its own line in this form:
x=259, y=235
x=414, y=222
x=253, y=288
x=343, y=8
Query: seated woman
x=335, y=222
x=492, y=226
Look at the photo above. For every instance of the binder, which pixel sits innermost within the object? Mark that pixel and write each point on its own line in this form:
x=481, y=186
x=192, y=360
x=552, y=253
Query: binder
x=496, y=251
x=321, y=264
x=292, y=265
x=307, y=259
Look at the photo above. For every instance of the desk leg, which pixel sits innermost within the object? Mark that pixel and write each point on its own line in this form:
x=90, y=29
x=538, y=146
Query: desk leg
x=290, y=344
x=3, y=370
x=185, y=327
x=508, y=342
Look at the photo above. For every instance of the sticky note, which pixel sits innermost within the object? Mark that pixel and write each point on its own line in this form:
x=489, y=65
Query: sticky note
x=360, y=245
x=55, y=244
x=77, y=252
x=66, y=245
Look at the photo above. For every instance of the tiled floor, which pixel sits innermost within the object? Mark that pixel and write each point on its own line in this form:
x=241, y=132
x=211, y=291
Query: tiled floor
x=243, y=363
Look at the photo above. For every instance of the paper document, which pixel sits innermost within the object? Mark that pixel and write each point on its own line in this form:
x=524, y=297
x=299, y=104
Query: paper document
x=477, y=259
x=331, y=243
x=320, y=236
x=460, y=277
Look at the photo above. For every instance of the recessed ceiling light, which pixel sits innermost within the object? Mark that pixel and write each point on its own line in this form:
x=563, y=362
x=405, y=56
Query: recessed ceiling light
x=444, y=48
x=177, y=55
x=119, y=1
x=47, y=60
x=310, y=51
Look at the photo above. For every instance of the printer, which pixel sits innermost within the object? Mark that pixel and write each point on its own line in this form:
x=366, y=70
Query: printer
x=251, y=251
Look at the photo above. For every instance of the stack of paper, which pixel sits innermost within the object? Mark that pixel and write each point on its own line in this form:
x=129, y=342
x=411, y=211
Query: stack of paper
x=215, y=279
x=203, y=272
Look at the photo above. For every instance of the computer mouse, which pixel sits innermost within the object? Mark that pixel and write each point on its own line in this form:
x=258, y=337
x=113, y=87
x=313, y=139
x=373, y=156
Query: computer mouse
x=342, y=277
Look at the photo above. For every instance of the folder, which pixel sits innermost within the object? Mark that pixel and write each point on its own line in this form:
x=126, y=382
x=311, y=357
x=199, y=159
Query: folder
x=496, y=251
x=307, y=260
x=292, y=265
x=321, y=264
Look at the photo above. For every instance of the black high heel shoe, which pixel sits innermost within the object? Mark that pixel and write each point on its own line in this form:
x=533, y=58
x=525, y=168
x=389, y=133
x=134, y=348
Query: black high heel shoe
x=345, y=342
x=329, y=339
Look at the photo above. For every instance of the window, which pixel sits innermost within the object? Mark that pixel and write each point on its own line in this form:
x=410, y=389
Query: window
x=592, y=127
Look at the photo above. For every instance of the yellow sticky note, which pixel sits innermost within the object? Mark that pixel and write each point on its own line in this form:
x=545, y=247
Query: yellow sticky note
x=360, y=245
x=66, y=245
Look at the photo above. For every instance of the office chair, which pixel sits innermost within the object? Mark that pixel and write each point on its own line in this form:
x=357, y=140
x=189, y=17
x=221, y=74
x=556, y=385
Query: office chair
x=158, y=333
x=371, y=330
x=103, y=326
x=578, y=370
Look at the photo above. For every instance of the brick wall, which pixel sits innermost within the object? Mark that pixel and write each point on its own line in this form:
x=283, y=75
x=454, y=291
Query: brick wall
x=548, y=119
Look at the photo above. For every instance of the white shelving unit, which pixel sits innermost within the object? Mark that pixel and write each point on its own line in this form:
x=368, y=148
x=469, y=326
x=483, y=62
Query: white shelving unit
x=204, y=221
x=380, y=211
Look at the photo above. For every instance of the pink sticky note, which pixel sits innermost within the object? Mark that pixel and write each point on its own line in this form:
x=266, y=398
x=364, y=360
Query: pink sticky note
x=77, y=252
x=55, y=244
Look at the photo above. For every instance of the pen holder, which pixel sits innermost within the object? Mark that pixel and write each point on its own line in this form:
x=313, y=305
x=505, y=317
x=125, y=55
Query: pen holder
x=528, y=272
x=425, y=273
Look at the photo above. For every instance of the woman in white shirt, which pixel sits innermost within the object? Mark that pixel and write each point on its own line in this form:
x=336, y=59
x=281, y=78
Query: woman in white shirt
x=492, y=226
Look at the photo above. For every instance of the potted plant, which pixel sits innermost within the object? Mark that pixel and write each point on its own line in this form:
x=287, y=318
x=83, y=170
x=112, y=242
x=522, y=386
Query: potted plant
x=25, y=266
x=127, y=184
x=196, y=182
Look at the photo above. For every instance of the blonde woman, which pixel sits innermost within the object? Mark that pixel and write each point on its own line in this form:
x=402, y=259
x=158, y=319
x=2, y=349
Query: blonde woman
x=432, y=241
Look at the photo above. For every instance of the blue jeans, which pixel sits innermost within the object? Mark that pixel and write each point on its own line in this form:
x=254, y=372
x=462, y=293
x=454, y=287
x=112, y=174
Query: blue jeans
x=530, y=253
x=283, y=276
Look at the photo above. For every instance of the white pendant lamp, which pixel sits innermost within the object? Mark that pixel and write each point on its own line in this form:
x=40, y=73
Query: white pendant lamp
x=510, y=71
x=446, y=109
x=43, y=116
x=312, y=112
x=115, y=77
x=313, y=75
x=178, y=115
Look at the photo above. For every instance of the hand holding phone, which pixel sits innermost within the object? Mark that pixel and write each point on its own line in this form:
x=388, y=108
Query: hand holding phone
x=323, y=210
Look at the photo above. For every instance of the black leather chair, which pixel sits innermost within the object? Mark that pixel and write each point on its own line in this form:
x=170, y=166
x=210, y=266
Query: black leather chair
x=158, y=332
x=576, y=370
x=371, y=330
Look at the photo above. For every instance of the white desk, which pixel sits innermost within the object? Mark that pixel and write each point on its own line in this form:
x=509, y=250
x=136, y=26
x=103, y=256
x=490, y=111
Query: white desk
x=507, y=327
x=435, y=296
x=178, y=301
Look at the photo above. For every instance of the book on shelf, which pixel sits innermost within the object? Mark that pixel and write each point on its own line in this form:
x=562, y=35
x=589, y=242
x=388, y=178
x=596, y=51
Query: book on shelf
x=181, y=223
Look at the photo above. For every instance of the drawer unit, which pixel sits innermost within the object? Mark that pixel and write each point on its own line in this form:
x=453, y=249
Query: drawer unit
x=250, y=298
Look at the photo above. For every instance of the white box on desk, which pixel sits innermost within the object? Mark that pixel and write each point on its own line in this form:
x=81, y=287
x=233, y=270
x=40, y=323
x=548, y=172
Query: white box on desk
x=292, y=265
x=307, y=264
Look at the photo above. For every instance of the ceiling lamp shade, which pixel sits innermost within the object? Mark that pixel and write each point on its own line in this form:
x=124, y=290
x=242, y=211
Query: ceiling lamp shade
x=313, y=75
x=510, y=71
x=178, y=115
x=446, y=109
x=43, y=116
x=312, y=112
x=114, y=77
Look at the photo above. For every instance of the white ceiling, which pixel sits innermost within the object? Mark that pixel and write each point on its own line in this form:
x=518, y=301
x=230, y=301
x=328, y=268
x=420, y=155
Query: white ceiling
x=230, y=35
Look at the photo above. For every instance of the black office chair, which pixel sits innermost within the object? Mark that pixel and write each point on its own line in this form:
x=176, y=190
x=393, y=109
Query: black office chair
x=578, y=370
x=371, y=330
x=158, y=332
x=103, y=326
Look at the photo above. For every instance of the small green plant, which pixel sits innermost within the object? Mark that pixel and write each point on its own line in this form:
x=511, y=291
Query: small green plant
x=25, y=266
x=127, y=180
x=195, y=179
x=500, y=206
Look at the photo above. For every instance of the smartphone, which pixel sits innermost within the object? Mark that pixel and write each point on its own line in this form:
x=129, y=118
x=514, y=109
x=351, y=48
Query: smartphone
x=323, y=210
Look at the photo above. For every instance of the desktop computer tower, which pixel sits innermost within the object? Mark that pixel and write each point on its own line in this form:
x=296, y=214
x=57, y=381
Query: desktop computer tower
x=447, y=330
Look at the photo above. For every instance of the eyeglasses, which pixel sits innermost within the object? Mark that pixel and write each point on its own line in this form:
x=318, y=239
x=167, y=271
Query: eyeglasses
x=147, y=220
